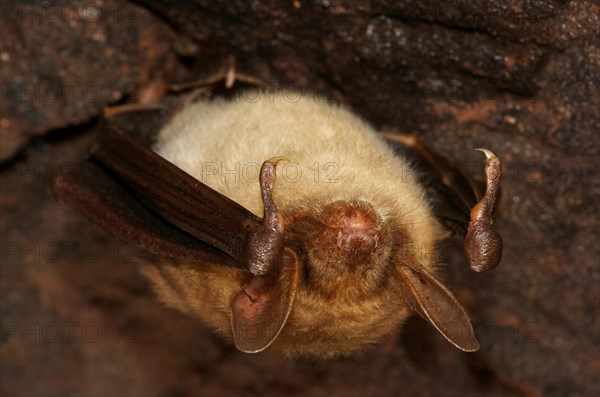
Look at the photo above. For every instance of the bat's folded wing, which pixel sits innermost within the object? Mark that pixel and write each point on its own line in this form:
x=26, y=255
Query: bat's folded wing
x=450, y=191
x=142, y=198
x=100, y=198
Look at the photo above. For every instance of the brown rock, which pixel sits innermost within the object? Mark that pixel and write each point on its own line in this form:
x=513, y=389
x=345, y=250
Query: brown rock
x=62, y=62
x=519, y=77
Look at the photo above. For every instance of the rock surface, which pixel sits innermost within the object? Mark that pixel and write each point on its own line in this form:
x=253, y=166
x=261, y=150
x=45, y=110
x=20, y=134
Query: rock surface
x=63, y=61
x=521, y=78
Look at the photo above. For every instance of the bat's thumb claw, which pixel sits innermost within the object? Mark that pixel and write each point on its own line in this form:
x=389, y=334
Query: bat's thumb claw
x=276, y=160
x=488, y=153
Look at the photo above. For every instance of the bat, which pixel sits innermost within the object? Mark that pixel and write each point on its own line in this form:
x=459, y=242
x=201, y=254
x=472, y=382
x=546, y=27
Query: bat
x=285, y=221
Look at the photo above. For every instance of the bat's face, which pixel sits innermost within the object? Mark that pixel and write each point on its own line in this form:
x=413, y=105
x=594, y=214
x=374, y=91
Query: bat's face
x=347, y=245
x=349, y=294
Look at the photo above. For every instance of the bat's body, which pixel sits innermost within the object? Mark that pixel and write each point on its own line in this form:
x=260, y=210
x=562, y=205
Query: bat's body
x=345, y=249
x=333, y=156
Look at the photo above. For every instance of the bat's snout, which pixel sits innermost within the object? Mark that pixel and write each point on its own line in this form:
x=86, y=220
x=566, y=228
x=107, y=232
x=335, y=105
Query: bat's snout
x=354, y=226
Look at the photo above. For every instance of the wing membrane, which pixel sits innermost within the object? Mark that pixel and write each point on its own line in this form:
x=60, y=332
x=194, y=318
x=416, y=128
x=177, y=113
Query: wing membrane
x=121, y=168
x=450, y=191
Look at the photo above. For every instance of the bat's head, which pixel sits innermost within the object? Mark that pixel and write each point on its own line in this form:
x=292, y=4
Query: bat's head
x=359, y=282
x=348, y=247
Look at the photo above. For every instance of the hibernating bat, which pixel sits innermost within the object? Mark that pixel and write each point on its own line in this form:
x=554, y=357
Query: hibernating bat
x=286, y=221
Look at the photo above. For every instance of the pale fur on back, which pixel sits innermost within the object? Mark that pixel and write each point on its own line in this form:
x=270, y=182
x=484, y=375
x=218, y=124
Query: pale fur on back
x=333, y=154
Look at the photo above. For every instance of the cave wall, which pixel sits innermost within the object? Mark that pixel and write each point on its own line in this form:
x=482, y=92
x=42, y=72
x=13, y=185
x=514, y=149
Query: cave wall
x=519, y=77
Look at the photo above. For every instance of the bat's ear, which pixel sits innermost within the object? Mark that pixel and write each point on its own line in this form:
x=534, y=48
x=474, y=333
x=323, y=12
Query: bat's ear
x=428, y=297
x=261, y=309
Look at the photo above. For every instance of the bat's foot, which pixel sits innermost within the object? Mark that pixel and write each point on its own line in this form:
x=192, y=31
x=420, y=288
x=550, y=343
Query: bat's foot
x=483, y=243
x=228, y=74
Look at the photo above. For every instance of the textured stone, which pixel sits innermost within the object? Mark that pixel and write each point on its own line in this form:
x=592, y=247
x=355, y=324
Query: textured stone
x=63, y=61
x=519, y=77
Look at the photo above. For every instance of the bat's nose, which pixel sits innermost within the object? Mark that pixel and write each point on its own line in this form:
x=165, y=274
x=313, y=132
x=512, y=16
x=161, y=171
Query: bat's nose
x=355, y=225
x=357, y=241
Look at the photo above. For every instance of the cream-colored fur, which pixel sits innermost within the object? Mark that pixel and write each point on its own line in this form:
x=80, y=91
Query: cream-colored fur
x=336, y=155
x=333, y=155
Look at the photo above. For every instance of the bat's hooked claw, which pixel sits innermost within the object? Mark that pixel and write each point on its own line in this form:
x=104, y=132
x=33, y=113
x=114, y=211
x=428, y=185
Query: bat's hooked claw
x=483, y=244
x=264, y=246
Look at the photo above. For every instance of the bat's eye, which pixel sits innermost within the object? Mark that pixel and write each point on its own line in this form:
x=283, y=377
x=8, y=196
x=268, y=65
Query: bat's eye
x=352, y=226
